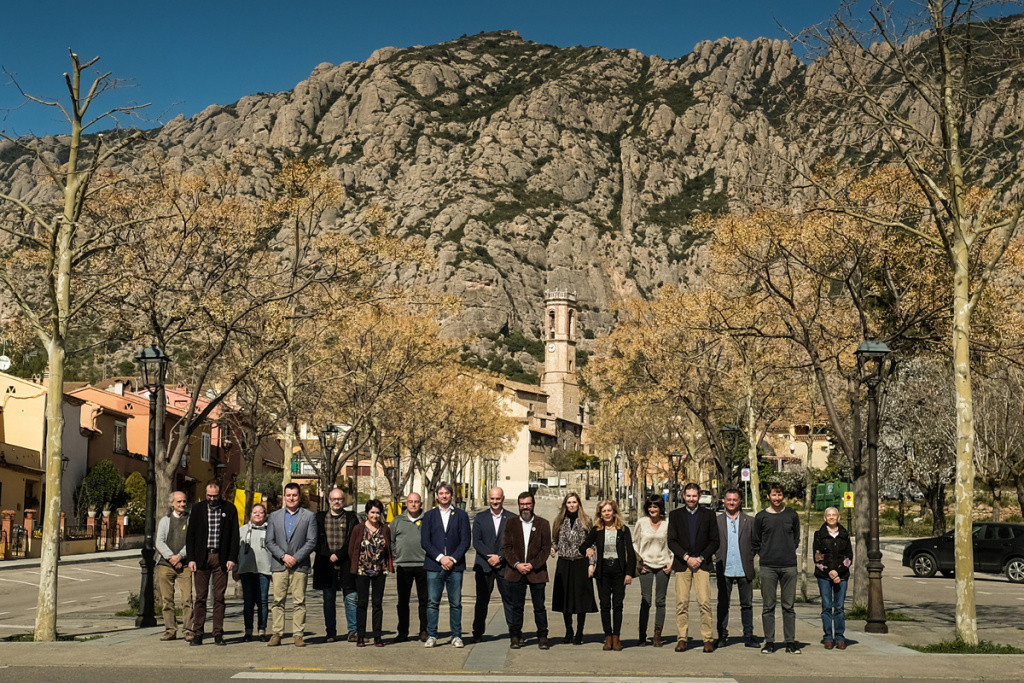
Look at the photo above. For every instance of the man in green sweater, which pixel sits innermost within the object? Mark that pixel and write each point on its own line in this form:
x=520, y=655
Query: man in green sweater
x=775, y=540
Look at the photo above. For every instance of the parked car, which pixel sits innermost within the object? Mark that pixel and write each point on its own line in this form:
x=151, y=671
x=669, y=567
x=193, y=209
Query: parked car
x=706, y=499
x=998, y=549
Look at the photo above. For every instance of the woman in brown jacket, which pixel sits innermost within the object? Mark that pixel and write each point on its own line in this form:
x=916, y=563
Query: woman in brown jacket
x=369, y=551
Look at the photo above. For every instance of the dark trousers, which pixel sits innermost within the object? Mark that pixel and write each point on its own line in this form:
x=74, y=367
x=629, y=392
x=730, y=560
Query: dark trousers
x=746, y=591
x=611, y=590
x=213, y=572
x=255, y=599
x=778, y=580
x=484, y=587
x=364, y=586
x=407, y=576
x=517, y=604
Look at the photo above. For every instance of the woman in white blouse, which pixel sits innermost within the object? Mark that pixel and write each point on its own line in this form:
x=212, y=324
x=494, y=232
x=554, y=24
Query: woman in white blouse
x=654, y=561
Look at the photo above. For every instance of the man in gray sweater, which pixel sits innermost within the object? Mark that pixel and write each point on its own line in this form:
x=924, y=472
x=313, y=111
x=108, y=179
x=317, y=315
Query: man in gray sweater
x=775, y=540
x=172, y=568
x=408, y=557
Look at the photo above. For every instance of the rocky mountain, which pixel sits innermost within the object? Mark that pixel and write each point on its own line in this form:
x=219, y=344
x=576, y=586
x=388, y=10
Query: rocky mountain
x=528, y=166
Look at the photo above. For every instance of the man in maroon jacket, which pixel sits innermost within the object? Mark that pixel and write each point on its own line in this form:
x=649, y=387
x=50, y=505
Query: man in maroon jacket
x=527, y=545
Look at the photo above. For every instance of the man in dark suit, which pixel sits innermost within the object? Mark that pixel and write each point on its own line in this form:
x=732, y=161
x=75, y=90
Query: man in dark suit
x=734, y=564
x=332, y=567
x=211, y=541
x=527, y=545
x=693, y=540
x=445, y=536
x=488, y=531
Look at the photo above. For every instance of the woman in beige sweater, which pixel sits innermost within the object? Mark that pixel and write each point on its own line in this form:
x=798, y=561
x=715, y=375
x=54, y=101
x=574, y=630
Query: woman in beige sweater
x=654, y=562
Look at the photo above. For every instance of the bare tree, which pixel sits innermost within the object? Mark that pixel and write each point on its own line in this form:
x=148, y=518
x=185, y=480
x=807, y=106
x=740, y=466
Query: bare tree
x=1000, y=425
x=52, y=243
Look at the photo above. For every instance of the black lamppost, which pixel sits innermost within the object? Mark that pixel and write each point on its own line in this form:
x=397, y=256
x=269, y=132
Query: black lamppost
x=328, y=442
x=730, y=434
x=153, y=364
x=675, y=460
x=586, y=489
x=874, y=363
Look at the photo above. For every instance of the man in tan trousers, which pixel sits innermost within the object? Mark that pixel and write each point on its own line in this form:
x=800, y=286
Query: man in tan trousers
x=291, y=538
x=172, y=568
x=693, y=540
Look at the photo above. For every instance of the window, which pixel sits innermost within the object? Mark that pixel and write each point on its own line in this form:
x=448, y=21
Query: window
x=206, y=447
x=120, y=437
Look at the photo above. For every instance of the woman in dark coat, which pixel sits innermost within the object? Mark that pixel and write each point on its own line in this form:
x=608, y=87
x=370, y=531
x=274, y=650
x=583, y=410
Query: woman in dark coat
x=833, y=555
x=613, y=566
x=573, y=591
x=369, y=551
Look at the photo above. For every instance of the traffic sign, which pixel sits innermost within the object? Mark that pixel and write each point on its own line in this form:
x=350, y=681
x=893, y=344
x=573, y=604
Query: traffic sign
x=745, y=474
x=5, y=363
x=848, y=499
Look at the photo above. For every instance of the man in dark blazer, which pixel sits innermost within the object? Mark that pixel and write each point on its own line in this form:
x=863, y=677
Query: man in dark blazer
x=488, y=531
x=211, y=541
x=445, y=536
x=526, y=544
x=693, y=539
x=291, y=539
x=331, y=568
x=734, y=564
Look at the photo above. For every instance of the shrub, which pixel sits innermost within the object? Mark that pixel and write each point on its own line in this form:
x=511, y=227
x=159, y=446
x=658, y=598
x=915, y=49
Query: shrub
x=102, y=485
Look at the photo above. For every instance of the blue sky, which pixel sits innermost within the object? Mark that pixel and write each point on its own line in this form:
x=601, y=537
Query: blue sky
x=182, y=57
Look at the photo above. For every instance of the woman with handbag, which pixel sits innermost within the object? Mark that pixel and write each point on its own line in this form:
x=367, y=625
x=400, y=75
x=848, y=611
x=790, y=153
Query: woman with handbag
x=609, y=545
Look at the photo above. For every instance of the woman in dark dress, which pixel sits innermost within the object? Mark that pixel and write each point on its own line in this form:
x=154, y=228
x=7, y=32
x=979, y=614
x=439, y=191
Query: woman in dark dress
x=614, y=566
x=573, y=592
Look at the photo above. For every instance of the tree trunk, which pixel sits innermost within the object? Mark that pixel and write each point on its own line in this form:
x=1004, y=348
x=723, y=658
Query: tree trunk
x=46, y=603
x=755, y=476
x=966, y=612
x=1019, y=484
x=806, y=567
x=860, y=549
x=937, y=496
x=901, y=512
x=997, y=495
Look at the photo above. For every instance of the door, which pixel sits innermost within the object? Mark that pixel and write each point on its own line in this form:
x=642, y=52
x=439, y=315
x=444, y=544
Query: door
x=989, y=547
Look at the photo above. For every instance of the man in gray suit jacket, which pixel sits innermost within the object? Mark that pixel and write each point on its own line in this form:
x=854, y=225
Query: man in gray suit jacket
x=291, y=537
x=734, y=564
x=488, y=530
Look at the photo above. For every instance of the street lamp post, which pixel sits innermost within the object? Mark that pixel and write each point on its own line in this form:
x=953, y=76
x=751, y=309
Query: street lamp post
x=616, y=475
x=153, y=364
x=675, y=459
x=874, y=363
x=731, y=434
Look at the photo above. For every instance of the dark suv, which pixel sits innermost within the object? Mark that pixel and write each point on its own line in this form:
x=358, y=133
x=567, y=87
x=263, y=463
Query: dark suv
x=998, y=549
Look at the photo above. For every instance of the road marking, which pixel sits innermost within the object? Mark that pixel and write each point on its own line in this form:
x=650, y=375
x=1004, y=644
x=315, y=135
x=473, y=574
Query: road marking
x=16, y=581
x=3, y=613
x=17, y=626
x=30, y=609
x=123, y=592
x=923, y=583
x=984, y=593
x=446, y=678
x=124, y=566
x=69, y=578
x=97, y=597
x=68, y=602
x=93, y=571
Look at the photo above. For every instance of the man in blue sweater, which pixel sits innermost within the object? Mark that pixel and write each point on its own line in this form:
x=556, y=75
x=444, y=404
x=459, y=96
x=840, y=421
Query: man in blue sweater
x=775, y=540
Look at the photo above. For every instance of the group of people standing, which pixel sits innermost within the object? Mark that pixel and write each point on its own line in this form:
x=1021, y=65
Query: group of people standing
x=428, y=551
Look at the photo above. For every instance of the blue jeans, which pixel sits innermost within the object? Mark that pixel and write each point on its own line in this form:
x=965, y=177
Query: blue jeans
x=255, y=600
x=437, y=582
x=351, y=598
x=833, y=612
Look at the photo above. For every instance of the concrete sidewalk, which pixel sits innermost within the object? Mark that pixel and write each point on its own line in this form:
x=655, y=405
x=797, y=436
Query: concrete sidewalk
x=85, y=558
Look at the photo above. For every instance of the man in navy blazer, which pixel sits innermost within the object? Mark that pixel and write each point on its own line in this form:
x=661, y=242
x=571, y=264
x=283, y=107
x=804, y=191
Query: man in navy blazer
x=488, y=530
x=445, y=539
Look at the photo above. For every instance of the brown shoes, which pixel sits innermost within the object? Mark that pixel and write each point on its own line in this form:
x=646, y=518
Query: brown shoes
x=681, y=645
x=299, y=642
x=841, y=645
x=169, y=636
x=657, y=637
x=829, y=645
x=616, y=644
x=542, y=643
x=709, y=646
x=275, y=640
x=607, y=643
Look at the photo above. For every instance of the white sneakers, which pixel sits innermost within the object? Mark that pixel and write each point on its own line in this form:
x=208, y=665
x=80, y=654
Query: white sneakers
x=430, y=642
x=457, y=642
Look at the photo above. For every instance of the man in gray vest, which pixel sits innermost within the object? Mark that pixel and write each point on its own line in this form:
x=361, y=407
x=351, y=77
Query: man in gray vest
x=172, y=568
x=291, y=538
x=734, y=564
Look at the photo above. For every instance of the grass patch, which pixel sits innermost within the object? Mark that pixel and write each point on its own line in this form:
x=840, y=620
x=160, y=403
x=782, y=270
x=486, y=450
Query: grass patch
x=860, y=613
x=958, y=647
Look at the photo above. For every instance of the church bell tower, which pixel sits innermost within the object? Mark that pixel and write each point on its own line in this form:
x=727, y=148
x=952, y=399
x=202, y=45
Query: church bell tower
x=559, y=337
